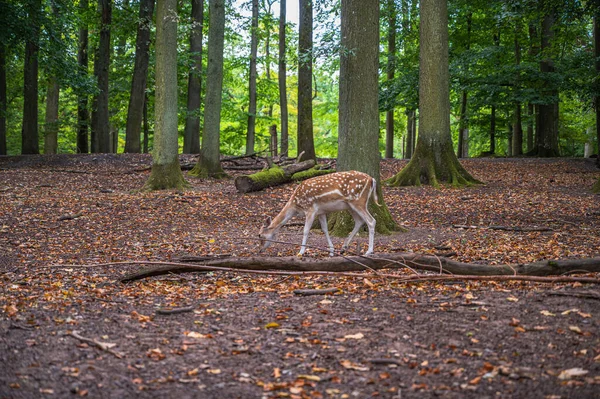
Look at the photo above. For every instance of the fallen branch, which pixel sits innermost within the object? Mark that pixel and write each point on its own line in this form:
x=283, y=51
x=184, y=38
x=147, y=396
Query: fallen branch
x=164, y=311
x=322, y=291
x=577, y=294
x=505, y=228
x=100, y=345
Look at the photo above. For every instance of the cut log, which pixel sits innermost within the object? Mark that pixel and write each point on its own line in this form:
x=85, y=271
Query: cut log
x=381, y=261
x=271, y=177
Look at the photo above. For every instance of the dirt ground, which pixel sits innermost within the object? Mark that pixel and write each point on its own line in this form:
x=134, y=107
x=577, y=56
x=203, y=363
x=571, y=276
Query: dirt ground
x=68, y=328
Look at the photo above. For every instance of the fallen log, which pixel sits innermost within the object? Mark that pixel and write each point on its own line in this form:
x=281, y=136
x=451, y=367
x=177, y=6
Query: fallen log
x=381, y=261
x=271, y=177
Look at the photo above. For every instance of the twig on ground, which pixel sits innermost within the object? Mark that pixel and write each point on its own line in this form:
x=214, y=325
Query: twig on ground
x=100, y=345
x=165, y=311
x=323, y=291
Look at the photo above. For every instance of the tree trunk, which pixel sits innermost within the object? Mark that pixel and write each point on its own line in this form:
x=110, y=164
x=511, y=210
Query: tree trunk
x=191, y=134
x=282, y=81
x=493, y=130
x=410, y=133
x=166, y=172
x=391, y=68
x=145, y=123
x=209, y=163
x=463, y=125
x=3, y=99
x=51, y=123
x=517, y=141
x=251, y=133
x=101, y=122
x=358, y=136
x=30, y=135
x=83, y=116
x=274, y=176
x=597, y=98
x=434, y=161
x=547, y=118
x=140, y=75
x=305, y=63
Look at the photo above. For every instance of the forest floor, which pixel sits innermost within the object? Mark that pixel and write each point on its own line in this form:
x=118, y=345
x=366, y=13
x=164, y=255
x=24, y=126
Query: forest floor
x=68, y=330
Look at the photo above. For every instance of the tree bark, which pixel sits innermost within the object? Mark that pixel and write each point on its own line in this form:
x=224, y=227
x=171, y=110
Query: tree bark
x=463, y=126
x=209, y=163
x=358, y=136
x=306, y=142
x=83, y=116
x=282, y=81
x=101, y=121
x=391, y=69
x=597, y=83
x=410, y=133
x=51, y=122
x=191, y=134
x=517, y=137
x=274, y=176
x=3, y=99
x=251, y=132
x=547, y=118
x=135, y=110
x=30, y=134
x=434, y=161
x=377, y=262
x=166, y=172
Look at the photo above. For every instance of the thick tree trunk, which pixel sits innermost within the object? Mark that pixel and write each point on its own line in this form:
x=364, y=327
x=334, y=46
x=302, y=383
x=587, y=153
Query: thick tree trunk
x=305, y=64
x=358, y=136
x=30, y=135
x=463, y=126
x=434, y=161
x=376, y=262
x=191, y=134
x=101, y=68
x=83, y=115
x=282, y=81
x=51, y=122
x=140, y=75
x=251, y=129
x=391, y=69
x=166, y=172
x=547, y=118
x=3, y=99
x=209, y=163
x=275, y=176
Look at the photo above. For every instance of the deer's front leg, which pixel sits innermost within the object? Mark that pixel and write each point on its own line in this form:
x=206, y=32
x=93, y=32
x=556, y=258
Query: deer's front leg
x=310, y=218
x=323, y=221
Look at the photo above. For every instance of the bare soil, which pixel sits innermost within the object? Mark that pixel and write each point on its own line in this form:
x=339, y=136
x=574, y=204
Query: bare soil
x=250, y=336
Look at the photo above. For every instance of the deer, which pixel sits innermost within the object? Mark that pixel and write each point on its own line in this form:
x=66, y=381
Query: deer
x=318, y=196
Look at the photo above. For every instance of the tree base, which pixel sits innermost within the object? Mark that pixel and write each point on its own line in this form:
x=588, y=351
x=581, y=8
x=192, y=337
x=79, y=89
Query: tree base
x=340, y=224
x=166, y=177
x=433, y=170
x=596, y=188
x=205, y=169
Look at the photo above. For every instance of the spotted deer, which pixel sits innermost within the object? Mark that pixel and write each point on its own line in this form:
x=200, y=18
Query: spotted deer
x=322, y=195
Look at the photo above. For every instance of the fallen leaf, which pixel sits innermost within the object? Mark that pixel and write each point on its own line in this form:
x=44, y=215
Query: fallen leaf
x=355, y=336
x=512, y=299
x=575, y=329
x=272, y=325
x=547, y=313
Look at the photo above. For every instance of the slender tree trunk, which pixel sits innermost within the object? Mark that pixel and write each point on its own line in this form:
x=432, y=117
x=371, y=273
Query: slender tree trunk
x=305, y=63
x=166, y=171
x=410, y=133
x=145, y=123
x=3, y=99
x=30, y=135
x=463, y=126
x=282, y=80
x=597, y=98
x=51, y=125
x=391, y=69
x=358, y=136
x=493, y=130
x=191, y=134
x=140, y=75
x=101, y=68
x=517, y=141
x=250, y=135
x=83, y=115
x=209, y=162
x=434, y=160
x=547, y=118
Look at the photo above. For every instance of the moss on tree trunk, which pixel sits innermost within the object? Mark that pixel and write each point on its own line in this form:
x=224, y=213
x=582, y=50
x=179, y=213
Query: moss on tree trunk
x=165, y=176
x=596, y=188
x=208, y=167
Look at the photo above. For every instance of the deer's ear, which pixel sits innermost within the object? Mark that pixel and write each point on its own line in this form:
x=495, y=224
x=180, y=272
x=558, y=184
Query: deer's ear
x=268, y=221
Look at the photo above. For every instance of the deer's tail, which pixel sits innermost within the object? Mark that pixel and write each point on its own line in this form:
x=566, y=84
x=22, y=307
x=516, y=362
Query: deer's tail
x=374, y=191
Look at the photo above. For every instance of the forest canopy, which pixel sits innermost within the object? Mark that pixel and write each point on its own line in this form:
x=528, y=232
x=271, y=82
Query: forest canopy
x=509, y=60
